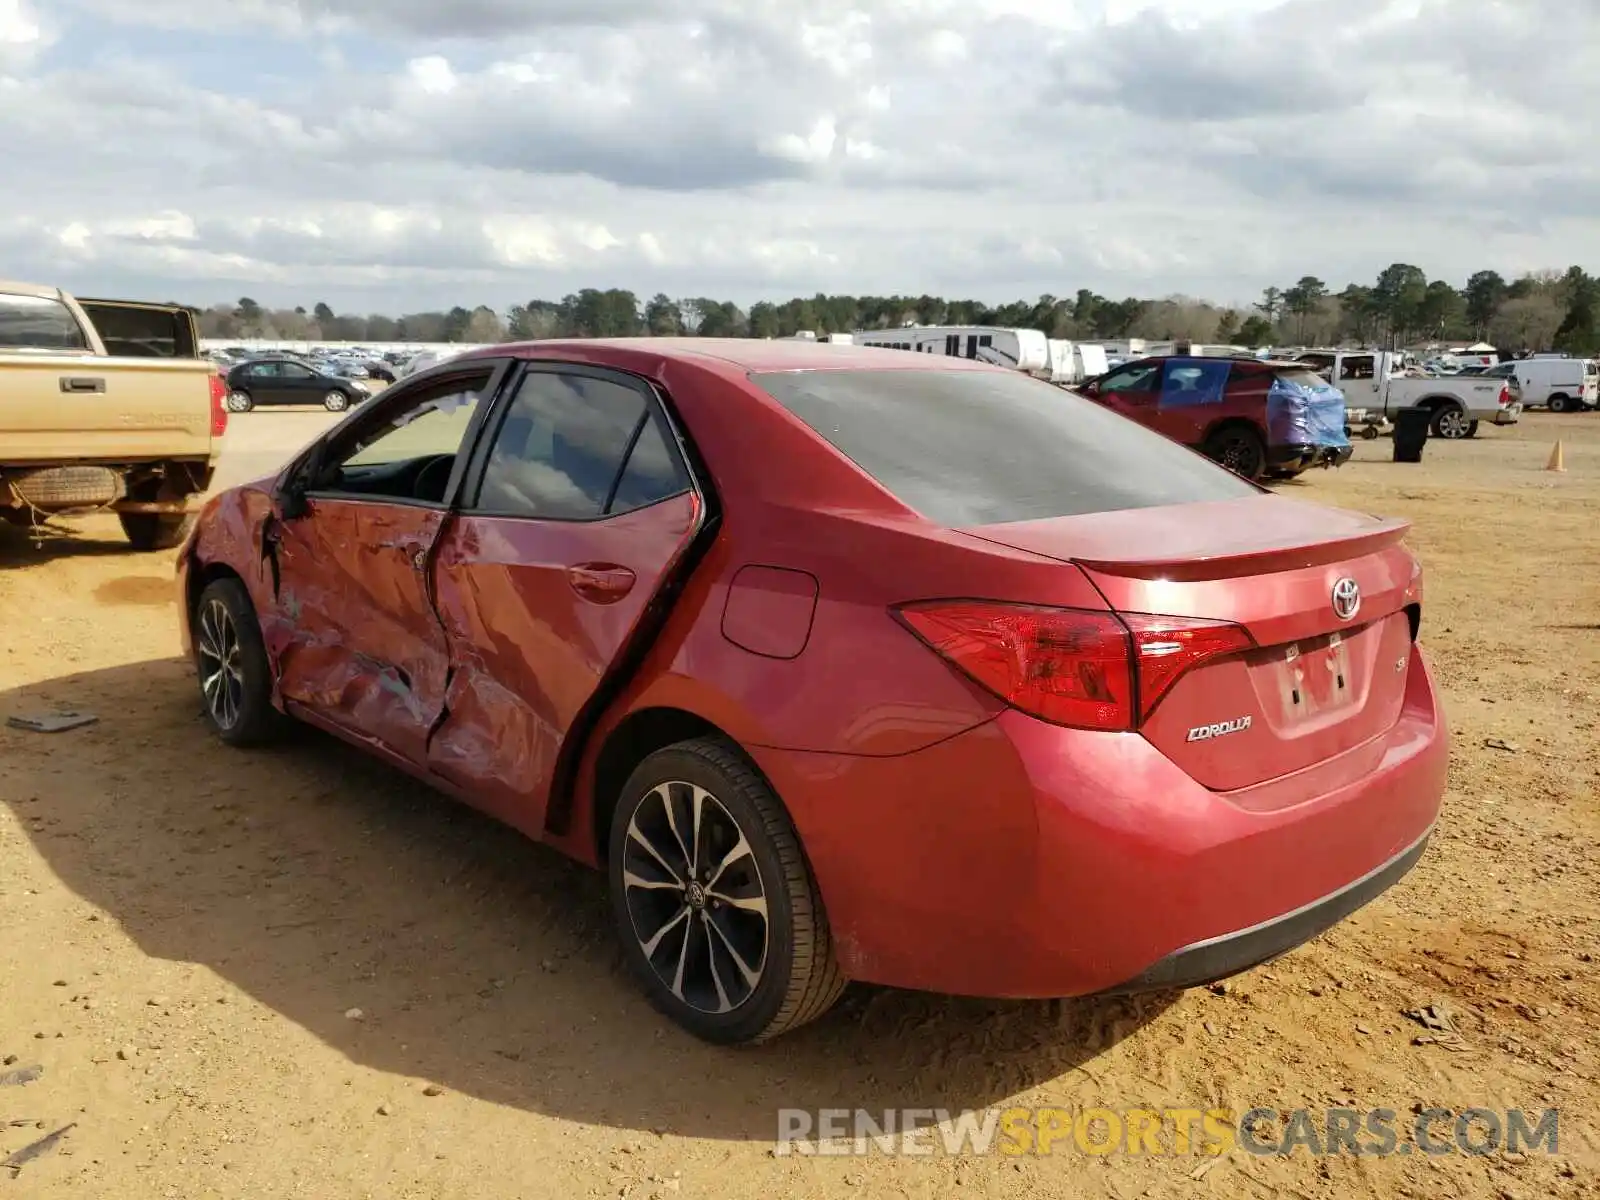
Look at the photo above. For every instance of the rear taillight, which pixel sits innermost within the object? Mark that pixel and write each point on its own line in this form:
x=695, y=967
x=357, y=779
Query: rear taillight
x=1076, y=667
x=1166, y=647
x=1505, y=395
x=219, y=407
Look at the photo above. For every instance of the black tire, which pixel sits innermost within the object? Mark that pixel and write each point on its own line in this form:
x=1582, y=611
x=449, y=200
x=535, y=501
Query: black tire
x=796, y=977
x=239, y=401
x=1559, y=403
x=247, y=718
x=1239, y=448
x=336, y=400
x=155, y=531
x=1450, y=423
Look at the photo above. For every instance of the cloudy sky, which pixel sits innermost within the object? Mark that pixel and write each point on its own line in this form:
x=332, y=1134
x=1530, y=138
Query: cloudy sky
x=393, y=155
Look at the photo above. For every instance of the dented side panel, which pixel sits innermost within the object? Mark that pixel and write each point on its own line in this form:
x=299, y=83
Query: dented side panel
x=353, y=634
x=532, y=636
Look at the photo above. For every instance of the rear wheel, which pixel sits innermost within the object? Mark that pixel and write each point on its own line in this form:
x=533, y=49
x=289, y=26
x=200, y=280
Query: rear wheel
x=231, y=662
x=155, y=531
x=239, y=401
x=719, y=917
x=1451, y=423
x=1560, y=403
x=1240, y=449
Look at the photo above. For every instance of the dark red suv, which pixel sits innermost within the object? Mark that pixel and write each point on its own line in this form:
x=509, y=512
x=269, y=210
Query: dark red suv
x=1253, y=416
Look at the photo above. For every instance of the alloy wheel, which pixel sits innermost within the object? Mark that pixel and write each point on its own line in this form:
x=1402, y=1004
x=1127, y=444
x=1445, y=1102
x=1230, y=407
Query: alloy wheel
x=1241, y=455
x=221, y=668
x=1453, y=423
x=695, y=897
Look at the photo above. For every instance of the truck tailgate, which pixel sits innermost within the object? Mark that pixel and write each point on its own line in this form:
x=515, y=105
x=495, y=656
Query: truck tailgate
x=100, y=408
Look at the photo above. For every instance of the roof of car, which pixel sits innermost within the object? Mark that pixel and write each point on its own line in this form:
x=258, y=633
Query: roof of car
x=750, y=354
x=43, y=291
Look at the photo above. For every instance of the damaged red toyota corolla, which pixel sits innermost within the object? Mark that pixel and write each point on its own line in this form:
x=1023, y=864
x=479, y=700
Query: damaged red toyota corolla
x=843, y=664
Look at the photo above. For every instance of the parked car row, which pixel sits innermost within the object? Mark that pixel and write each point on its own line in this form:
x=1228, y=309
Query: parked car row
x=328, y=366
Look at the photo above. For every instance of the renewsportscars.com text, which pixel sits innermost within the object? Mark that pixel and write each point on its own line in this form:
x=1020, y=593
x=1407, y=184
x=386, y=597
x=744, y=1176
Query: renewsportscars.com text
x=1166, y=1131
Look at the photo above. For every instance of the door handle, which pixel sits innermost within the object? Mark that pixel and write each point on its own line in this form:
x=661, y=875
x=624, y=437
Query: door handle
x=82, y=384
x=602, y=583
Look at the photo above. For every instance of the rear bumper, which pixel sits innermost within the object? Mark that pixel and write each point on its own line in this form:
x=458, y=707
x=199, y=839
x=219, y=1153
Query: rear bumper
x=1298, y=458
x=1219, y=957
x=1023, y=860
x=1508, y=415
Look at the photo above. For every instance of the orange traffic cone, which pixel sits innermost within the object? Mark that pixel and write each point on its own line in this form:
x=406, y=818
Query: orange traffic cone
x=1557, y=461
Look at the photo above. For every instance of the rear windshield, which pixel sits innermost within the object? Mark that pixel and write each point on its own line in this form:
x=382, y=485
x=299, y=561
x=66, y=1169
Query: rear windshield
x=1305, y=379
x=137, y=332
x=38, y=323
x=986, y=447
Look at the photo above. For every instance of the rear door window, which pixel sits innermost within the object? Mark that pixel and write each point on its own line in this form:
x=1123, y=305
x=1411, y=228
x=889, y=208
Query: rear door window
x=38, y=323
x=576, y=447
x=970, y=448
x=1192, y=382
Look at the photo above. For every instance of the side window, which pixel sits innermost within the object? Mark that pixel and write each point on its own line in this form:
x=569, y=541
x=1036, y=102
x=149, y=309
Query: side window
x=558, y=453
x=1357, y=366
x=653, y=472
x=1141, y=378
x=1188, y=383
x=266, y=370
x=435, y=425
x=294, y=371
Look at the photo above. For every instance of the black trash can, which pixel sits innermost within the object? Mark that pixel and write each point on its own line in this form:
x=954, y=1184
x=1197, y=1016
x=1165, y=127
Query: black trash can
x=1410, y=432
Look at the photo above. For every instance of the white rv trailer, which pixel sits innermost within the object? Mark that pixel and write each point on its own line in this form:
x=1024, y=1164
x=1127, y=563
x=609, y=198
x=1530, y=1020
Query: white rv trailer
x=1073, y=362
x=811, y=335
x=1023, y=349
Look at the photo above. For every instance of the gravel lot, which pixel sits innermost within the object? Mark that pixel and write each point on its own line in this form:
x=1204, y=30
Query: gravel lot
x=295, y=973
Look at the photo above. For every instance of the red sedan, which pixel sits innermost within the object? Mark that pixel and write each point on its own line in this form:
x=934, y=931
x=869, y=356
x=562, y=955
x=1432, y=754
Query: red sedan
x=843, y=664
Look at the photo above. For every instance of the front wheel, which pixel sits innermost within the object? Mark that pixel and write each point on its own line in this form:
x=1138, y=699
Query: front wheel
x=155, y=531
x=336, y=401
x=719, y=917
x=1240, y=449
x=1452, y=424
x=231, y=662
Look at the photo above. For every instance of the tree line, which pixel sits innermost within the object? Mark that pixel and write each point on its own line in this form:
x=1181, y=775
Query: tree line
x=1548, y=310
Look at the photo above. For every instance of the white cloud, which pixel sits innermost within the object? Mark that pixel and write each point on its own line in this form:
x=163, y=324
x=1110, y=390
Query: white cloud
x=403, y=154
x=22, y=36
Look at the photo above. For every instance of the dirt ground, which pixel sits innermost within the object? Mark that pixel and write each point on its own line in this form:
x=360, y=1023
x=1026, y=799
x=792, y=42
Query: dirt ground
x=186, y=932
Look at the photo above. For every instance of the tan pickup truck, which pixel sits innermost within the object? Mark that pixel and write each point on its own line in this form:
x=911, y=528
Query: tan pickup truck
x=105, y=404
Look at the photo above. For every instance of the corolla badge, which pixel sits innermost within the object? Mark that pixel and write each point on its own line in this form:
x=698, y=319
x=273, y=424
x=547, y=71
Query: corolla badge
x=1346, y=598
x=1204, y=733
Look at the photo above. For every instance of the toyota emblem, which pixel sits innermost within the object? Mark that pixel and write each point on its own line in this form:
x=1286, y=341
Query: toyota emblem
x=1346, y=598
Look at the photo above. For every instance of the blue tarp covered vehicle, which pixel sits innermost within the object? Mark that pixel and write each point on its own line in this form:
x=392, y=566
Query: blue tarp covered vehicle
x=1302, y=410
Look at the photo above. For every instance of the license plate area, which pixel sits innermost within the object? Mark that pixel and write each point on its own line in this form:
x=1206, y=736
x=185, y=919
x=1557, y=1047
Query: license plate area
x=1314, y=678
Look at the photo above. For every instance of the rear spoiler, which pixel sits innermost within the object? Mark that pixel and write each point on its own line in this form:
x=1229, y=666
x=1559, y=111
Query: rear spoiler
x=1260, y=558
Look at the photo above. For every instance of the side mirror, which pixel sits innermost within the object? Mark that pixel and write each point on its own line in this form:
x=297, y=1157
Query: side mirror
x=291, y=495
x=292, y=499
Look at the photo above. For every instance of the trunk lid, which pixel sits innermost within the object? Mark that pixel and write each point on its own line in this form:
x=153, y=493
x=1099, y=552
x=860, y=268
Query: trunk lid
x=1316, y=683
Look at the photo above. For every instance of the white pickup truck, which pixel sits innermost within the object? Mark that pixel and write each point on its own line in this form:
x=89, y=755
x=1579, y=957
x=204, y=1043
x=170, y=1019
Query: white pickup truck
x=1374, y=390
